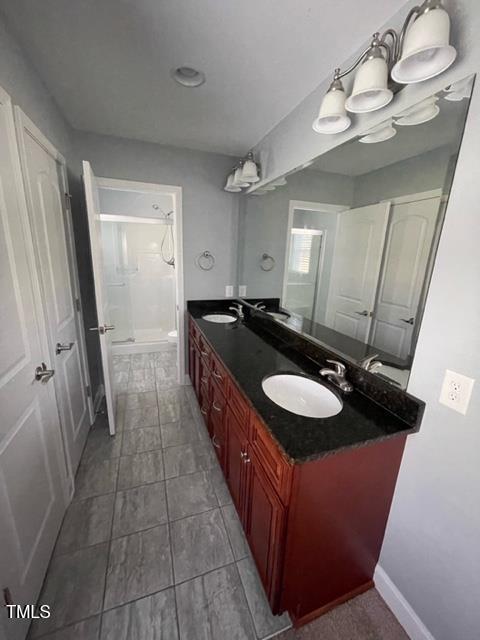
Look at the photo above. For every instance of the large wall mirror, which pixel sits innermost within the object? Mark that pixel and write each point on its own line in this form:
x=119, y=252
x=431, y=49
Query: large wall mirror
x=353, y=235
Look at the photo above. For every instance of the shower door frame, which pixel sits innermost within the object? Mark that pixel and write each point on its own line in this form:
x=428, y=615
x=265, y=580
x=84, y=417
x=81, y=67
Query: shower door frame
x=176, y=193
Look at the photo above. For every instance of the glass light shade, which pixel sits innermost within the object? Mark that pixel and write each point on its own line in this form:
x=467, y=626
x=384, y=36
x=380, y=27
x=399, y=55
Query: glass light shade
x=381, y=133
x=229, y=186
x=332, y=117
x=370, y=89
x=426, y=49
x=422, y=112
x=249, y=172
x=459, y=90
x=237, y=179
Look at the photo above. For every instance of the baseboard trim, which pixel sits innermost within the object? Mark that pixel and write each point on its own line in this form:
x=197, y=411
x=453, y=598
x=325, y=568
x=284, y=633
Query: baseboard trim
x=401, y=609
x=98, y=398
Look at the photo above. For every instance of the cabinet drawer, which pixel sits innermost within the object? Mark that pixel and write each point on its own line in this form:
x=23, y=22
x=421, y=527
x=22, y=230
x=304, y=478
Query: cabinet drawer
x=274, y=466
x=205, y=350
x=239, y=406
x=219, y=374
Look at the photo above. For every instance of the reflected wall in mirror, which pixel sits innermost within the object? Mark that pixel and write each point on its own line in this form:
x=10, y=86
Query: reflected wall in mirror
x=354, y=235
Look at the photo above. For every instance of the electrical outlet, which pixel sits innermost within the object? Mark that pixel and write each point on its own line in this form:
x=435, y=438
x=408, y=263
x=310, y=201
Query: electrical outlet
x=456, y=391
x=242, y=290
x=229, y=291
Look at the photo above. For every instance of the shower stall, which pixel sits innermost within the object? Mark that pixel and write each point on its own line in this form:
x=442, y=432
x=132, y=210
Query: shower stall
x=138, y=245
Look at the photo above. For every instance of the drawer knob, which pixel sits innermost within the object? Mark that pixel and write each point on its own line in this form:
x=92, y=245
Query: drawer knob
x=217, y=376
x=216, y=407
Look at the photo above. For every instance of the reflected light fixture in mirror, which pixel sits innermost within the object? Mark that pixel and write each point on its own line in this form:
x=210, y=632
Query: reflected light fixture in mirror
x=381, y=133
x=250, y=170
x=230, y=186
x=420, y=51
x=425, y=111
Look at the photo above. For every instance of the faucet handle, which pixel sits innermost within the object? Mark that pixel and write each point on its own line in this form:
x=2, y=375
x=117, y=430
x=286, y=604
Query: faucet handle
x=339, y=367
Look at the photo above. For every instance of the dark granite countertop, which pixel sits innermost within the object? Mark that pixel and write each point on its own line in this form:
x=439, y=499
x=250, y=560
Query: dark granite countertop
x=251, y=354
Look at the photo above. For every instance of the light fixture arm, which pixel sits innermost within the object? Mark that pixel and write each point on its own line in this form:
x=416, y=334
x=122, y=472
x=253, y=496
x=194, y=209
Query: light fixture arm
x=371, y=51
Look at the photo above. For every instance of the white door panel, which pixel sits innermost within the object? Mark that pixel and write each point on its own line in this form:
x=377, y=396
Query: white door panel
x=42, y=170
x=407, y=250
x=32, y=471
x=358, y=250
x=104, y=317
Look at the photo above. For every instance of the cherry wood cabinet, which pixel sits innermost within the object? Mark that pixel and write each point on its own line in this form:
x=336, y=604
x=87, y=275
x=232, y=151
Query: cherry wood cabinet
x=315, y=529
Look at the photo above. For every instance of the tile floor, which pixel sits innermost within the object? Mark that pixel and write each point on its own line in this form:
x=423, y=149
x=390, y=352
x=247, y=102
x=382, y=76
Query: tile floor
x=151, y=546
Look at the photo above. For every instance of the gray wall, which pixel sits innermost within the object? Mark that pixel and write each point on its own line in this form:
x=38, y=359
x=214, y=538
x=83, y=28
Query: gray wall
x=264, y=220
x=210, y=215
x=422, y=173
x=431, y=550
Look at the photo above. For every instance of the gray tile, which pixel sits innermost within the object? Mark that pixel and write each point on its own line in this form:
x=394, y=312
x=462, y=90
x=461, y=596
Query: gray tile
x=87, y=522
x=138, y=440
x=221, y=488
x=134, y=401
x=190, y=494
x=84, y=630
x=179, y=432
x=96, y=478
x=139, y=508
x=199, y=544
x=151, y=618
x=101, y=445
x=213, y=607
x=173, y=405
x=74, y=587
x=121, y=366
x=235, y=532
x=143, y=417
x=120, y=381
x=187, y=458
x=266, y=624
x=139, y=565
x=141, y=380
x=139, y=469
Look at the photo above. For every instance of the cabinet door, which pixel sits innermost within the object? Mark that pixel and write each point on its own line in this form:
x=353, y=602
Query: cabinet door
x=217, y=423
x=265, y=526
x=191, y=360
x=236, y=456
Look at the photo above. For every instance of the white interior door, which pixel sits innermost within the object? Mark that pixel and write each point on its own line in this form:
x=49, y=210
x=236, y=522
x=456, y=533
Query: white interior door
x=358, y=252
x=46, y=201
x=408, y=245
x=33, y=481
x=101, y=298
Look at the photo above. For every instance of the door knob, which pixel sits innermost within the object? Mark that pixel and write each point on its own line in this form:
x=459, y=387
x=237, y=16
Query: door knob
x=365, y=313
x=103, y=328
x=42, y=374
x=408, y=320
x=63, y=347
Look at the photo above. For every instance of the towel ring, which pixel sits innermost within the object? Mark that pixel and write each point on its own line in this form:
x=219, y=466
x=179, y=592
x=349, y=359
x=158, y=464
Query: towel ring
x=267, y=262
x=206, y=261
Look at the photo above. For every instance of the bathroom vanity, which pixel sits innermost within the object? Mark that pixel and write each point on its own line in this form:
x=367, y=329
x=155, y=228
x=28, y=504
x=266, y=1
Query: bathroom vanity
x=313, y=494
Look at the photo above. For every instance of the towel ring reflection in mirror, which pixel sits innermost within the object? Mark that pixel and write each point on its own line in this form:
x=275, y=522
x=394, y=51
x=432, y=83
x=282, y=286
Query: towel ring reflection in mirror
x=267, y=262
x=206, y=261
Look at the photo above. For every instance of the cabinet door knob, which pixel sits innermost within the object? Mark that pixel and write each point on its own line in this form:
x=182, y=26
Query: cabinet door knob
x=217, y=376
x=216, y=407
x=215, y=443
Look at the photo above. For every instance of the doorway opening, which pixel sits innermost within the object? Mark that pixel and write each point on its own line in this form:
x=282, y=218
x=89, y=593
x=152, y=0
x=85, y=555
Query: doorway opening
x=141, y=226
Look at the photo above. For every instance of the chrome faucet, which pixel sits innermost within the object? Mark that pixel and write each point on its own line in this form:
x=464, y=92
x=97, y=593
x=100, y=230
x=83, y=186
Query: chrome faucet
x=260, y=305
x=237, y=307
x=337, y=376
x=370, y=364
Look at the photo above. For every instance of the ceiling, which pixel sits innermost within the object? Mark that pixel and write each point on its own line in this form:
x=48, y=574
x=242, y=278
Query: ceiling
x=108, y=62
x=355, y=158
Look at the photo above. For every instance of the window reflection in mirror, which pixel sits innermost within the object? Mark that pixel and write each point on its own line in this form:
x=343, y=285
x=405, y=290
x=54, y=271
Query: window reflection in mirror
x=354, y=235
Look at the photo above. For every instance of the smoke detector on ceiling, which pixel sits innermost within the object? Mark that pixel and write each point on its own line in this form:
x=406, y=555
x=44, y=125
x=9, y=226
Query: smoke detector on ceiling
x=188, y=76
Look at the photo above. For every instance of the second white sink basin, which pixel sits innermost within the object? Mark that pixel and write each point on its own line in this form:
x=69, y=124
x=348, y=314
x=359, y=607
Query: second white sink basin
x=302, y=396
x=219, y=318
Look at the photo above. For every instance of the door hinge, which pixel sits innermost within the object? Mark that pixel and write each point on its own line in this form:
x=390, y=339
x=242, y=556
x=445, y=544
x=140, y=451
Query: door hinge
x=7, y=596
x=89, y=391
x=77, y=304
x=68, y=199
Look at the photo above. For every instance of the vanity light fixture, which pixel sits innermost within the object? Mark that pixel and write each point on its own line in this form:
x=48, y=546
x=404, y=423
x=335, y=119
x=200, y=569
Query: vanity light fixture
x=420, y=51
x=460, y=90
x=422, y=112
x=381, y=133
x=245, y=173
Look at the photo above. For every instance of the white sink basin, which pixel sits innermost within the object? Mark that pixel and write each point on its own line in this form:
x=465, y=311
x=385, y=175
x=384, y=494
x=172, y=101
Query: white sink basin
x=302, y=396
x=219, y=318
